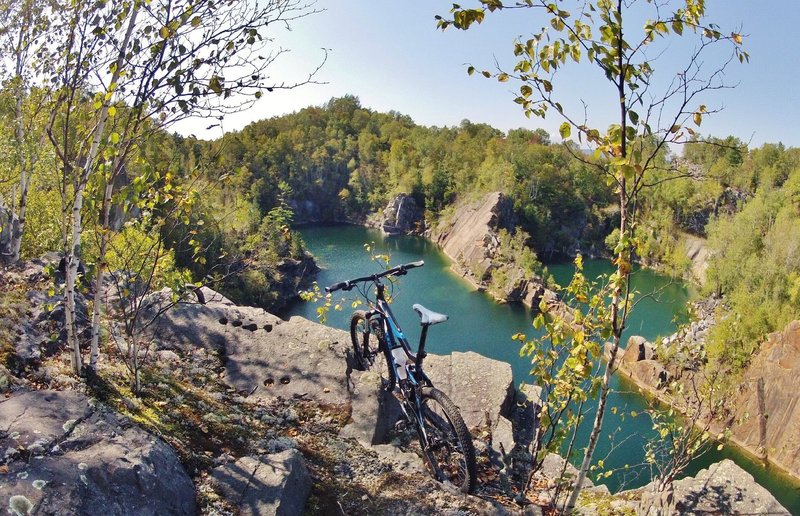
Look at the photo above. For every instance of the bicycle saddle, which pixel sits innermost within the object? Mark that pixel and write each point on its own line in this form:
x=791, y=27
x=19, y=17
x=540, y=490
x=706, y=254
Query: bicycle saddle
x=427, y=316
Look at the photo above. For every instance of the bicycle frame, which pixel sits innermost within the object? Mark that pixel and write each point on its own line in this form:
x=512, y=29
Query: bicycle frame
x=395, y=337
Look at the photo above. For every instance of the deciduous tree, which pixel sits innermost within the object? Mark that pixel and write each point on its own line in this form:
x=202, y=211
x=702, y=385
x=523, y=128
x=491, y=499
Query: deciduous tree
x=623, y=41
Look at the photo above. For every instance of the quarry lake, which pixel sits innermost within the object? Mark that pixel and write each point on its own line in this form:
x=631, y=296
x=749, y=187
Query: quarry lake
x=478, y=323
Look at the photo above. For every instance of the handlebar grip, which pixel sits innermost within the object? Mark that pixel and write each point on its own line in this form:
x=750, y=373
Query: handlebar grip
x=337, y=286
x=414, y=264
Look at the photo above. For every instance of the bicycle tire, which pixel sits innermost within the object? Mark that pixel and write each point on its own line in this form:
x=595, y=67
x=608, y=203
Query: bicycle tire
x=449, y=453
x=369, y=345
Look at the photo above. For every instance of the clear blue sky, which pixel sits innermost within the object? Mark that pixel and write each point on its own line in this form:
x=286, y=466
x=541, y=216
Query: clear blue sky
x=390, y=55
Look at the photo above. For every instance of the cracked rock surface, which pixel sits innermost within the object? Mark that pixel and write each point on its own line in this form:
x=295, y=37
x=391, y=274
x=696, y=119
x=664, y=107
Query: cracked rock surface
x=278, y=483
x=62, y=455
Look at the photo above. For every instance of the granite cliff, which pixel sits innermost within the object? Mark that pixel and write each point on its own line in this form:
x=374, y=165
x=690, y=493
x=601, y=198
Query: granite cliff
x=470, y=237
x=766, y=421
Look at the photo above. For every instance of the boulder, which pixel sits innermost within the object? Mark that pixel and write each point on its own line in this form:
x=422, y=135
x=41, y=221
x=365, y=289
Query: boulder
x=767, y=407
x=502, y=441
x=402, y=216
x=65, y=455
x=276, y=484
x=265, y=357
x=723, y=488
x=638, y=349
x=525, y=415
x=482, y=388
x=373, y=410
x=650, y=373
x=552, y=466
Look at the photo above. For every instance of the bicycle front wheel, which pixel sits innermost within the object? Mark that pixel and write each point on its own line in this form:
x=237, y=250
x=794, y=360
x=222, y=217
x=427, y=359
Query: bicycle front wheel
x=369, y=347
x=449, y=453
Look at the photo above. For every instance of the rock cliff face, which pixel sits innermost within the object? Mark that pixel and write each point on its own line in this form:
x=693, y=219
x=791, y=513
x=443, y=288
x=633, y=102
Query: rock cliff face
x=768, y=404
x=766, y=408
x=698, y=253
x=402, y=216
x=470, y=238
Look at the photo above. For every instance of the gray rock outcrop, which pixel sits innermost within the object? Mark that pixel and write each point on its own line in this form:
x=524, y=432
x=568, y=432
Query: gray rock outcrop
x=65, y=455
x=482, y=388
x=638, y=348
x=266, y=358
x=767, y=407
x=639, y=362
x=276, y=484
x=466, y=237
x=402, y=216
x=698, y=253
x=470, y=238
x=723, y=488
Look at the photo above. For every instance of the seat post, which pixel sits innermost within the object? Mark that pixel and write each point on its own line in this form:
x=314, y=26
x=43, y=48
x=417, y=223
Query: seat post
x=421, y=351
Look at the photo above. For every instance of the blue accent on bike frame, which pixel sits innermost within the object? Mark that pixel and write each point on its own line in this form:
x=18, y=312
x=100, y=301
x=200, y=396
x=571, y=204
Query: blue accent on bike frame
x=397, y=332
x=397, y=337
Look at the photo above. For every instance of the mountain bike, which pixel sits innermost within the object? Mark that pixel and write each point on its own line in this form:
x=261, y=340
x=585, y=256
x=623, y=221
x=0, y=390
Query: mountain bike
x=379, y=343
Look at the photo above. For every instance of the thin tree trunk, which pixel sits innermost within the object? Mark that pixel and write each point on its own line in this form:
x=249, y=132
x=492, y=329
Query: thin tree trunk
x=71, y=275
x=99, y=286
x=18, y=225
x=99, y=291
x=623, y=269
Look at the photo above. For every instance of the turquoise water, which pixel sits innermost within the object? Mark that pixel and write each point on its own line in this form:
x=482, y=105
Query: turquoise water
x=478, y=323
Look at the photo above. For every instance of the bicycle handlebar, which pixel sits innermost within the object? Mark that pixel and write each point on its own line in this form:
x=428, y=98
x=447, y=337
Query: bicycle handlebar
x=394, y=271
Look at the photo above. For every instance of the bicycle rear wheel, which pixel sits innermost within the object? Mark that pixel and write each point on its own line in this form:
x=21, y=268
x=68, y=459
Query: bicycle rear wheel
x=449, y=453
x=369, y=347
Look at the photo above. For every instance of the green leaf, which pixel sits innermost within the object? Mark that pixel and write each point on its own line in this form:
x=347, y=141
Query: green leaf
x=164, y=32
x=114, y=138
x=215, y=84
x=564, y=130
x=470, y=70
x=196, y=21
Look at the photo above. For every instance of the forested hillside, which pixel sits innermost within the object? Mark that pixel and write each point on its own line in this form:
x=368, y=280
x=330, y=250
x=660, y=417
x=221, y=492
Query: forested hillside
x=342, y=162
